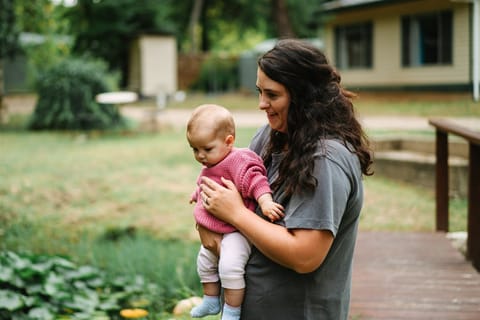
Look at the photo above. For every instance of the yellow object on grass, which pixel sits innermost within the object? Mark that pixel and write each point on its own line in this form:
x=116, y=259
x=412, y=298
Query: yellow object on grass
x=133, y=313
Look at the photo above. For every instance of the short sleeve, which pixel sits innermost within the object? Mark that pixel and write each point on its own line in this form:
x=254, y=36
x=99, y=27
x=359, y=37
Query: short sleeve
x=322, y=209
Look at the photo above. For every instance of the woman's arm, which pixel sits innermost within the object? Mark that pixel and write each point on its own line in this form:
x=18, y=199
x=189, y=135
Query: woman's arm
x=300, y=249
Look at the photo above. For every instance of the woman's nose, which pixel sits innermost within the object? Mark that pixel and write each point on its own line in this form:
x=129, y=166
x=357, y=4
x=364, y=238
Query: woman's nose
x=262, y=104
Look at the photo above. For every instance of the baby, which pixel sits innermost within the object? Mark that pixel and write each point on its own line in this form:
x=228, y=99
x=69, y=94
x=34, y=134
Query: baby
x=211, y=134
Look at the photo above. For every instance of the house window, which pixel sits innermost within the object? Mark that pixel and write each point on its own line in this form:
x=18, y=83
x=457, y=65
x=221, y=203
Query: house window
x=353, y=46
x=427, y=39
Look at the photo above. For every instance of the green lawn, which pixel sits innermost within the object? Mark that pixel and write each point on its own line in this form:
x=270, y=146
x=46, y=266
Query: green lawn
x=425, y=104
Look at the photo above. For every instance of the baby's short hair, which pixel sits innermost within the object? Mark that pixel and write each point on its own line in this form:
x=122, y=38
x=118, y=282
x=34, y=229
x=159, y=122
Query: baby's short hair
x=216, y=117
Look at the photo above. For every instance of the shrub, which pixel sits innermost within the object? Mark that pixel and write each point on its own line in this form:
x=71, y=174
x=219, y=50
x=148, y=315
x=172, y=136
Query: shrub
x=52, y=287
x=67, y=98
x=218, y=74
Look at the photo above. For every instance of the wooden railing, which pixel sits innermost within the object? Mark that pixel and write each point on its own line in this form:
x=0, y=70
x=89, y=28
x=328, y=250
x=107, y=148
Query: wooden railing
x=443, y=128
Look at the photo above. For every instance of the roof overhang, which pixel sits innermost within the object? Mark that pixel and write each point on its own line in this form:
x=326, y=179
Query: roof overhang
x=342, y=5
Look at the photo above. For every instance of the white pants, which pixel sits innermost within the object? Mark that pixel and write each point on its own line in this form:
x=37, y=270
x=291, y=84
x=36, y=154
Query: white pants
x=230, y=267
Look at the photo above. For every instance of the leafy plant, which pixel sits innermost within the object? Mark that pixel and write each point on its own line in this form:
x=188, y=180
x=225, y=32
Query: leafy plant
x=51, y=287
x=67, y=98
x=219, y=73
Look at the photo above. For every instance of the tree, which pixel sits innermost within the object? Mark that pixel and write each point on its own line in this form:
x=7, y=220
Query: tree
x=282, y=19
x=105, y=28
x=8, y=45
x=240, y=19
x=194, y=24
x=40, y=17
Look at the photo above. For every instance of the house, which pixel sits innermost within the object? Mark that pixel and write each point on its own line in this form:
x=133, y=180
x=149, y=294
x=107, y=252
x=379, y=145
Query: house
x=403, y=44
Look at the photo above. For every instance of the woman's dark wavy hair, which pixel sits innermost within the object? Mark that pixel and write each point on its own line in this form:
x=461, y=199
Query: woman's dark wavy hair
x=319, y=108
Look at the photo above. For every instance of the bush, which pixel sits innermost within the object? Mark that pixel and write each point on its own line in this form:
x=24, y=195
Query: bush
x=52, y=287
x=67, y=98
x=218, y=74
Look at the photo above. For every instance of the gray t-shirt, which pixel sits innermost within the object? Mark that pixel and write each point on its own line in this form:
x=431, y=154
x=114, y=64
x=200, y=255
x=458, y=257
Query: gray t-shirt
x=275, y=292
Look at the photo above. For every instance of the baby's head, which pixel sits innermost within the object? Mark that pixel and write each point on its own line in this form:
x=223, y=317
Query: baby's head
x=210, y=133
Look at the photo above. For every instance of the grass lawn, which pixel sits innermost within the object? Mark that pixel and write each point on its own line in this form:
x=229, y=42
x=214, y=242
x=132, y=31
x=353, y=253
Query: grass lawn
x=424, y=104
x=120, y=200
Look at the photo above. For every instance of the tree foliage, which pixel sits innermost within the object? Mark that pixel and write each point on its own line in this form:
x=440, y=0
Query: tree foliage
x=221, y=20
x=8, y=43
x=8, y=29
x=105, y=28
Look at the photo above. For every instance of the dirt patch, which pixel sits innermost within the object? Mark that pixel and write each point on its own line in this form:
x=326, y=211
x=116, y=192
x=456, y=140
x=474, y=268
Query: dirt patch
x=20, y=104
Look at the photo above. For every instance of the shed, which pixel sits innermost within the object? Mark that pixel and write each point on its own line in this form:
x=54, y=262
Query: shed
x=153, y=65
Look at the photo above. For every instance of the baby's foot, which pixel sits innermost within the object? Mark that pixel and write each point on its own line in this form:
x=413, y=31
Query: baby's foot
x=231, y=313
x=210, y=305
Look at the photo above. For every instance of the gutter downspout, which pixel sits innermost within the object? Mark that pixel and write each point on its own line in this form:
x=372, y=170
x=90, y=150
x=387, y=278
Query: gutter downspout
x=476, y=49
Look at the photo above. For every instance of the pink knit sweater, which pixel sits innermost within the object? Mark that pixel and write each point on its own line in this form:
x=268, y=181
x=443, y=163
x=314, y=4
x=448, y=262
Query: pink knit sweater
x=245, y=168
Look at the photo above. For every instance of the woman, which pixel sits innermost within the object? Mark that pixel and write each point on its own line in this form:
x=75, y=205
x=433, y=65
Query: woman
x=316, y=153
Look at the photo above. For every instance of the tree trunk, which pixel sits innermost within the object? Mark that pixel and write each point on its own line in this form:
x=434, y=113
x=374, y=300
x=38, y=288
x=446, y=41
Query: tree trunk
x=194, y=24
x=3, y=106
x=282, y=20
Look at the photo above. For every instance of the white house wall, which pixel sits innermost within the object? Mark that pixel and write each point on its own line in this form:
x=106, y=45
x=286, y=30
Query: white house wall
x=387, y=69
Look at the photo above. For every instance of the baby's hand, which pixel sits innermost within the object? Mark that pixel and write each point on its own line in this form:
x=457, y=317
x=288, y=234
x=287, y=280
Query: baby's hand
x=273, y=211
x=192, y=201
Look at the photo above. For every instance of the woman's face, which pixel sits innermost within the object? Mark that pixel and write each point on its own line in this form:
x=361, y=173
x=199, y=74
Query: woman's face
x=274, y=99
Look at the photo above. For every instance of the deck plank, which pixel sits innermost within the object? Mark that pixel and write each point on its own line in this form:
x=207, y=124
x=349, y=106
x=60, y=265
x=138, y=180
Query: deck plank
x=412, y=276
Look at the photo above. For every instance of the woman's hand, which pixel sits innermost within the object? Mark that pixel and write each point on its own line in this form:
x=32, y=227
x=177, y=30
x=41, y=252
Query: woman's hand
x=210, y=240
x=222, y=202
x=302, y=250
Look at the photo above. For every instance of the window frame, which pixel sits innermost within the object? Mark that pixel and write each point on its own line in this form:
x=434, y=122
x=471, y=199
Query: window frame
x=354, y=46
x=424, y=46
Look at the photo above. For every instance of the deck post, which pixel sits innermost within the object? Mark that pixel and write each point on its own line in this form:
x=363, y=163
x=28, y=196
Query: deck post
x=441, y=181
x=473, y=227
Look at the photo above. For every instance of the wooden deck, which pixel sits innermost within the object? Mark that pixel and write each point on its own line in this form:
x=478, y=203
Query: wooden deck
x=412, y=276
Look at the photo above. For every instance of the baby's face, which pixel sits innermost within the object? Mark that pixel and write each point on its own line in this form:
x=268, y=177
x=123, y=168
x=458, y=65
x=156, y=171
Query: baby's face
x=208, y=148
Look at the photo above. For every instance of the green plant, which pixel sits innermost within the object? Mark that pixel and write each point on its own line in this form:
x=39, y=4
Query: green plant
x=51, y=287
x=219, y=73
x=67, y=98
